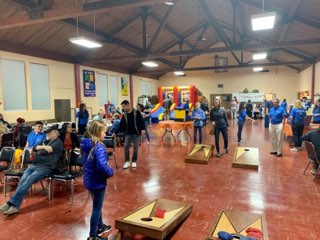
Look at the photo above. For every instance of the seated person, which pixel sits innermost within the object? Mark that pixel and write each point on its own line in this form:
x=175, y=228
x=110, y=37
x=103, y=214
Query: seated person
x=16, y=129
x=314, y=137
x=70, y=142
x=99, y=116
x=3, y=129
x=36, y=136
x=4, y=122
x=46, y=160
x=115, y=124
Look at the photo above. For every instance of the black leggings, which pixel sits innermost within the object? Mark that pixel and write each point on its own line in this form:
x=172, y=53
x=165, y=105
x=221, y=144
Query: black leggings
x=297, y=130
x=224, y=132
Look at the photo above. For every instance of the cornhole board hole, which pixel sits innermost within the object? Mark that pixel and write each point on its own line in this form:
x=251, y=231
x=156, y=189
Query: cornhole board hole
x=143, y=220
x=246, y=157
x=200, y=153
x=235, y=222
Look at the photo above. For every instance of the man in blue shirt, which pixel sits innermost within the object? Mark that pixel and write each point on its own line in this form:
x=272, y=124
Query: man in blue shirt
x=277, y=114
x=297, y=115
x=36, y=136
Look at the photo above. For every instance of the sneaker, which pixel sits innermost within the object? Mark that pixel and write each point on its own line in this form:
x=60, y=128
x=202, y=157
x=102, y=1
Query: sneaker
x=279, y=155
x=273, y=153
x=226, y=150
x=4, y=207
x=97, y=238
x=105, y=228
x=242, y=141
x=294, y=150
x=11, y=210
x=218, y=154
x=134, y=165
x=126, y=165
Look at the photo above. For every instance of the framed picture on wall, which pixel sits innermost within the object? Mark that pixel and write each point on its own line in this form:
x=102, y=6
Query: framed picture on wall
x=89, y=83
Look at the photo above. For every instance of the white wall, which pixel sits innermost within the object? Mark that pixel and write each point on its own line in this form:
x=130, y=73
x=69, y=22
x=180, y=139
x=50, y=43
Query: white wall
x=305, y=79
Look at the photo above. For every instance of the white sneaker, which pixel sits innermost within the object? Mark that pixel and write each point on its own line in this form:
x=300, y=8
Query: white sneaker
x=294, y=150
x=134, y=165
x=126, y=165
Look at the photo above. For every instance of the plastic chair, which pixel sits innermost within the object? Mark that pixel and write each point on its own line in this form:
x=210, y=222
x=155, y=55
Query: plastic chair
x=312, y=158
x=110, y=143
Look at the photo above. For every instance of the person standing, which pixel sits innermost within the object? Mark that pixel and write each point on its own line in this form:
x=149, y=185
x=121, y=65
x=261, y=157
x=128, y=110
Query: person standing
x=277, y=114
x=242, y=116
x=96, y=171
x=198, y=116
x=249, y=108
x=218, y=118
x=131, y=125
x=284, y=104
x=167, y=105
x=267, y=107
x=82, y=119
x=316, y=113
x=297, y=115
x=234, y=106
x=145, y=116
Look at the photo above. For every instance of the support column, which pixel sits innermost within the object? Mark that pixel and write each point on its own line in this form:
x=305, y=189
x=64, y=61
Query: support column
x=313, y=82
x=131, y=89
x=77, y=82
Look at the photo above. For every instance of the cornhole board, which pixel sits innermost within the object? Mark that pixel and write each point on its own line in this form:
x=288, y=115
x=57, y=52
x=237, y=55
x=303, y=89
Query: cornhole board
x=246, y=157
x=200, y=153
x=142, y=220
x=235, y=222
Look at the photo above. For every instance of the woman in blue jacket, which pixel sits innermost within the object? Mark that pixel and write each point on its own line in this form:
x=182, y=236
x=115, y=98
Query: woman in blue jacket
x=198, y=117
x=297, y=115
x=242, y=116
x=95, y=173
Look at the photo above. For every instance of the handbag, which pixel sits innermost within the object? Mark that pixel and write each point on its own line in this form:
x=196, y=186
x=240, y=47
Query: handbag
x=211, y=132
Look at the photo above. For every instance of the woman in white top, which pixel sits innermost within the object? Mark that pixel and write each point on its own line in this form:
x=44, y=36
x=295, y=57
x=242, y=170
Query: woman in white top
x=234, y=107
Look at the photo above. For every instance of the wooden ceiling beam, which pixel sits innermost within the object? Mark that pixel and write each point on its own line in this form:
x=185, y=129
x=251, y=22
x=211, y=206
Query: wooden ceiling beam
x=75, y=11
x=237, y=47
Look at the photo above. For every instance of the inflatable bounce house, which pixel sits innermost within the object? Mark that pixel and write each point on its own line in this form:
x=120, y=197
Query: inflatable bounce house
x=179, y=96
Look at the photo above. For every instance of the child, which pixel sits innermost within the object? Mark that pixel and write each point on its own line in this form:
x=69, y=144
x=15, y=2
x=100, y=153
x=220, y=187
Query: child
x=242, y=116
x=95, y=173
x=198, y=117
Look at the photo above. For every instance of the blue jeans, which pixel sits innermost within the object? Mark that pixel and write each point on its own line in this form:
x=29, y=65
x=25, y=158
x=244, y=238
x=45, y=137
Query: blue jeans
x=30, y=176
x=224, y=132
x=240, y=127
x=146, y=130
x=195, y=129
x=96, y=215
x=127, y=141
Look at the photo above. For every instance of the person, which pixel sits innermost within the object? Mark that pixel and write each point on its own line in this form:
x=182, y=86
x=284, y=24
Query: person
x=249, y=108
x=314, y=137
x=186, y=106
x=147, y=109
x=131, y=125
x=82, y=119
x=145, y=116
x=277, y=114
x=36, y=136
x=115, y=124
x=316, y=113
x=234, y=106
x=70, y=141
x=99, y=116
x=198, y=116
x=96, y=171
x=204, y=106
x=242, y=116
x=20, y=123
x=218, y=118
x=267, y=107
x=46, y=160
x=3, y=129
x=257, y=111
x=167, y=105
x=4, y=122
x=284, y=104
x=297, y=115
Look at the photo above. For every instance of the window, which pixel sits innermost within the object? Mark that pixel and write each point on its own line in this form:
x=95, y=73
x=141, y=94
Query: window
x=102, y=89
x=40, y=88
x=149, y=89
x=113, y=86
x=13, y=85
x=143, y=87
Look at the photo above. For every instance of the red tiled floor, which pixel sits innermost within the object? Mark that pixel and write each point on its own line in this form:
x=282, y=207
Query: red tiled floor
x=289, y=200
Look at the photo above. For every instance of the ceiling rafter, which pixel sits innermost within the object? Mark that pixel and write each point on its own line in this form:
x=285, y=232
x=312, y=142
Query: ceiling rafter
x=75, y=11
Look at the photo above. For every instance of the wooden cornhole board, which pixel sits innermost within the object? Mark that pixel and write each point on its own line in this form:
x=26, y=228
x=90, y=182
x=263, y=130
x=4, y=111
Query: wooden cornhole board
x=200, y=153
x=235, y=222
x=142, y=220
x=246, y=157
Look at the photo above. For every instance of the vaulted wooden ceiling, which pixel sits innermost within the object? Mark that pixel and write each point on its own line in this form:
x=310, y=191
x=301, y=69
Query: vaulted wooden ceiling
x=133, y=30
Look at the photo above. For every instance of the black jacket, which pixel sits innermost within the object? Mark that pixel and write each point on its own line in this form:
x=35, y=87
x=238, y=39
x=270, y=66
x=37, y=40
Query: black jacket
x=219, y=116
x=138, y=123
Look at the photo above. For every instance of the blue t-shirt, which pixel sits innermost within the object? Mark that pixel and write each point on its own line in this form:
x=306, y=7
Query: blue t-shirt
x=316, y=110
x=277, y=114
x=298, y=115
x=242, y=116
x=284, y=105
x=83, y=119
x=35, y=139
x=269, y=105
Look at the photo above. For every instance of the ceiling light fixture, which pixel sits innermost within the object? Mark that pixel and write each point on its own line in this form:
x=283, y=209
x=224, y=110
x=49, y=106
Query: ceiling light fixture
x=259, y=56
x=150, y=64
x=258, y=69
x=263, y=21
x=179, y=73
x=169, y=3
x=85, y=42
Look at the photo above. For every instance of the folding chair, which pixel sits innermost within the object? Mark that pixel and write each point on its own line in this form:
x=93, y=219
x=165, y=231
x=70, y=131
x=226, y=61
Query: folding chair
x=7, y=140
x=312, y=158
x=110, y=143
x=6, y=157
x=63, y=175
